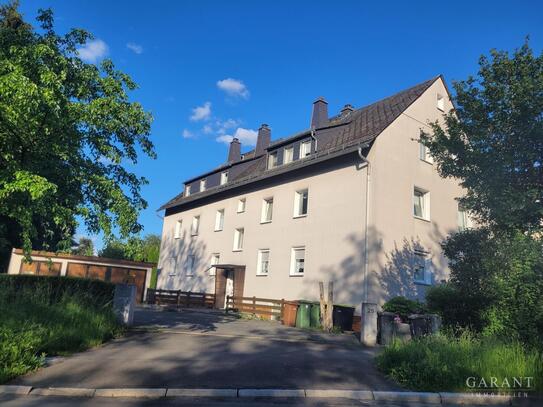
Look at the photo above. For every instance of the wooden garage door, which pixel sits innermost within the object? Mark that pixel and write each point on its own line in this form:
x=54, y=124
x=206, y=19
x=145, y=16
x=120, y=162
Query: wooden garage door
x=116, y=275
x=41, y=268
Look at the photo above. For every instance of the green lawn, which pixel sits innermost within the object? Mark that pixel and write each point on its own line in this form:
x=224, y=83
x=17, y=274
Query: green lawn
x=443, y=363
x=34, y=325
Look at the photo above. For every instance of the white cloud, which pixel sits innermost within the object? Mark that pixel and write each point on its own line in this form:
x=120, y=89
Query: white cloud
x=201, y=112
x=207, y=129
x=136, y=48
x=233, y=87
x=187, y=134
x=93, y=51
x=245, y=136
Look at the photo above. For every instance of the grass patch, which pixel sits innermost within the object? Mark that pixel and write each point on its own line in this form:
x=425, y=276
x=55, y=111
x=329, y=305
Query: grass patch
x=443, y=363
x=35, y=324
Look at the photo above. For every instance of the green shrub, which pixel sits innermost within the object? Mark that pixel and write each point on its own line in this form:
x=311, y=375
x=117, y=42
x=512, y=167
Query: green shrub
x=51, y=316
x=51, y=290
x=443, y=362
x=404, y=307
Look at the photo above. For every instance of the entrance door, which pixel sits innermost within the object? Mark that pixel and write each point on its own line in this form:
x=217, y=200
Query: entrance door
x=229, y=290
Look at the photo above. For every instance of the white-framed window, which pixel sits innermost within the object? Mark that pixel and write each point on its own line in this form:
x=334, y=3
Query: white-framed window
x=187, y=190
x=241, y=205
x=238, y=239
x=177, y=232
x=219, y=220
x=272, y=160
x=215, y=259
x=224, y=177
x=441, y=102
x=464, y=221
x=195, y=227
x=297, y=261
x=263, y=265
x=288, y=155
x=421, y=203
x=267, y=210
x=422, y=269
x=301, y=201
x=424, y=153
x=189, y=267
x=305, y=148
x=203, y=185
x=170, y=266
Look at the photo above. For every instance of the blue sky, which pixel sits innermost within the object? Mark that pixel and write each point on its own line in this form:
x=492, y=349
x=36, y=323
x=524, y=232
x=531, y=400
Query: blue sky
x=207, y=70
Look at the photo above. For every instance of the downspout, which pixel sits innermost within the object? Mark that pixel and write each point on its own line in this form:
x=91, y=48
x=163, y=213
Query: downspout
x=366, y=226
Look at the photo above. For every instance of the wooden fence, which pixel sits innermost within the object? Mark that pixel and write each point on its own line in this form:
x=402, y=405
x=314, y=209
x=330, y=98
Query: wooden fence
x=180, y=298
x=263, y=307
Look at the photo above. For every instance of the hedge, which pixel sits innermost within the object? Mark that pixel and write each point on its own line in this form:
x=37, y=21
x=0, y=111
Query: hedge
x=52, y=289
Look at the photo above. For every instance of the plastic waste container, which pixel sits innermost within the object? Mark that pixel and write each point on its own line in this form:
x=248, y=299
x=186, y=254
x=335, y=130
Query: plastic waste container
x=303, y=319
x=343, y=317
x=315, y=316
x=289, y=313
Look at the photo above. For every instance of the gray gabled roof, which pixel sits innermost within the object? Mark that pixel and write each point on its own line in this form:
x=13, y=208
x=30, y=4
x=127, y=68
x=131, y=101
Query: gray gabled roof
x=340, y=135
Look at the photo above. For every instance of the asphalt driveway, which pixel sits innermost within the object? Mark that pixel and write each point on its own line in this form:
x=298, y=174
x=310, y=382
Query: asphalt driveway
x=208, y=349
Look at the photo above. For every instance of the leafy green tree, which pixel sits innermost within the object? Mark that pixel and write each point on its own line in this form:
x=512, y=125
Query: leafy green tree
x=134, y=248
x=67, y=131
x=493, y=141
x=85, y=247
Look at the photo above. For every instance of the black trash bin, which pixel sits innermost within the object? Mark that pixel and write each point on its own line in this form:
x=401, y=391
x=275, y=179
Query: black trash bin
x=343, y=317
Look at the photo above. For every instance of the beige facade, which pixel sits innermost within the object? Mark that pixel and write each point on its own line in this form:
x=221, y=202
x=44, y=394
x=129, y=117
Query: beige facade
x=334, y=231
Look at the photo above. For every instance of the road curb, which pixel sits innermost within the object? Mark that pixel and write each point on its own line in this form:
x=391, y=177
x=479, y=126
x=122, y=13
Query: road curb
x=202, y=393
x=131, y=393
x=11, y=389
x=63, y=391
x=443, y=398
x=271, y=393
x=419, y=397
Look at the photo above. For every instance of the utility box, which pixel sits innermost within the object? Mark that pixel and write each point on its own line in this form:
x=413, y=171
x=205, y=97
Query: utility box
x=368, y=328
x=124, y=302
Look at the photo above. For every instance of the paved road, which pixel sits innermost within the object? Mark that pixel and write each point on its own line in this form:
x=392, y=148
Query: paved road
x=212, y=350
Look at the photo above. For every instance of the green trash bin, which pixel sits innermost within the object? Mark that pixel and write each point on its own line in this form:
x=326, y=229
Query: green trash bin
x=315, y=317
x=303, y=319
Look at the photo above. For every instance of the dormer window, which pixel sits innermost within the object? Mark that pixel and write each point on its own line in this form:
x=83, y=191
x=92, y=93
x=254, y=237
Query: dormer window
x=305, y=149
x=272, y=160
x=288, y=155
x=203, y=185
x=224, y=177
x=187, y=190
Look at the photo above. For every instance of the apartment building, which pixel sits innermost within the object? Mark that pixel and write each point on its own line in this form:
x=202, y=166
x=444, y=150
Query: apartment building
x=354, y=199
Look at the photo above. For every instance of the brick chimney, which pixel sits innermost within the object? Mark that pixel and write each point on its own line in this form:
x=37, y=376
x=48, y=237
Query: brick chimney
x=234, y=152
x=263, y=140
x=320, y=113
x=347, y=109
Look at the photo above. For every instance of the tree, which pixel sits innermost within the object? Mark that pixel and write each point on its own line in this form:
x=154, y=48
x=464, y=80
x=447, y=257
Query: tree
x=67, y=129
x=85, y=247
x=134, y=248
x=493, y=142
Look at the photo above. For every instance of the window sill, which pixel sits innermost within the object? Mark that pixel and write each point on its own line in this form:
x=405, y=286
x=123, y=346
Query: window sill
x=261, y=275
x=218, y=230
x=299, y=216
x=237, y=250
x=423, y=219
x=263, y=222
x=296, y=275
x=427, y=162
x=194, y=234
x=238, y=212
x=421, y=283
